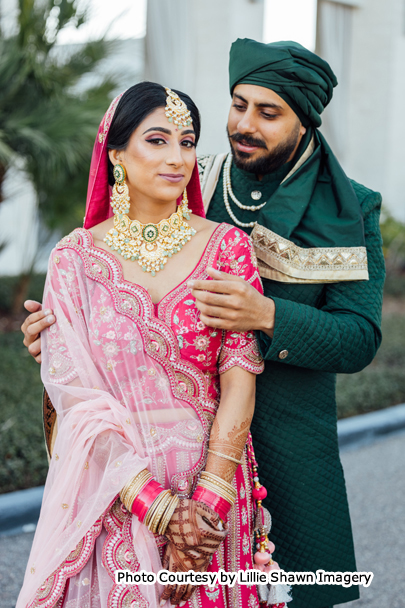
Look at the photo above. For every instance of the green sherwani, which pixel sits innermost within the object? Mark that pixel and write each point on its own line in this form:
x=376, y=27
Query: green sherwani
x=327, y=328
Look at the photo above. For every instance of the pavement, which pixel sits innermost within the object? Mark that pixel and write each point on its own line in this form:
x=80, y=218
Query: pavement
x=376, y=488
x=375, y=479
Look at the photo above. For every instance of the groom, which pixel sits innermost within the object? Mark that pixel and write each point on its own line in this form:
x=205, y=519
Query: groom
x=317, y=240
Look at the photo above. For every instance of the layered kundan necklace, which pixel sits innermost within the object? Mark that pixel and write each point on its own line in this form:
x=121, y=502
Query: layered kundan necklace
x=151, y=245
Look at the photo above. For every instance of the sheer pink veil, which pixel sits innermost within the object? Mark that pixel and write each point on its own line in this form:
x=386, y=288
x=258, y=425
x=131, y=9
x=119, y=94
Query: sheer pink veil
x=125, y=400
x=98, y=206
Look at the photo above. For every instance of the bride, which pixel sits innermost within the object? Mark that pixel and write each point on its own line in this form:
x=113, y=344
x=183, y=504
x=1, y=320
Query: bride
x=152, y=465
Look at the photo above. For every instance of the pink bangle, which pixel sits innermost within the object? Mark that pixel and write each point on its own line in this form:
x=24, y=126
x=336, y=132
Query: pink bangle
x=145, y=498
x=212, y=500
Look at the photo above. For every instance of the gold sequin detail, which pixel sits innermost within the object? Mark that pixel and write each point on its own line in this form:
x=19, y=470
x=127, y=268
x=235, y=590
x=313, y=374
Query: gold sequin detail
x=65, y=506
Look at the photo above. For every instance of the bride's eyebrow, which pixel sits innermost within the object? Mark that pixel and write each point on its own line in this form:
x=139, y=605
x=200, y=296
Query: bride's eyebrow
x=161, y=129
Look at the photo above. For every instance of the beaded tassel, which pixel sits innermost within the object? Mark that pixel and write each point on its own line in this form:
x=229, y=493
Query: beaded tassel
x=265, y=548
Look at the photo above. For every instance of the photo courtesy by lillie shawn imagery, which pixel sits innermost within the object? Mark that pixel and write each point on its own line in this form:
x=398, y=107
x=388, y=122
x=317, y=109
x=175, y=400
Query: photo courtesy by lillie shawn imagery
x=190, y=340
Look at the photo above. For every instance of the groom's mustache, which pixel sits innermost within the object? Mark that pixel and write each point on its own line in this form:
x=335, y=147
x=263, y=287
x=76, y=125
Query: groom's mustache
x=247, y=139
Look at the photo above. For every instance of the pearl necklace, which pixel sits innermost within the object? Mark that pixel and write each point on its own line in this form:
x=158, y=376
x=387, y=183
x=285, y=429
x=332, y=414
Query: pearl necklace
x=151, y=245
x=228, y=190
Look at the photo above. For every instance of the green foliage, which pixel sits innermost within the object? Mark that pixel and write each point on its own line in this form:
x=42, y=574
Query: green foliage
x=393, y=234
x=9, y=284
x=44, y=122
x=22, y=449
x=382, y=383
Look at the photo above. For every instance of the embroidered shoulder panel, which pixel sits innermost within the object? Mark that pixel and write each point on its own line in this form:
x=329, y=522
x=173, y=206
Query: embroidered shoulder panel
x=282, y=260
x=204, y=164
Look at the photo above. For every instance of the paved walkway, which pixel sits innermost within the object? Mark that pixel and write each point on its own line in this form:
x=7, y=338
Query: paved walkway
x=376, y=487
x=375, y=477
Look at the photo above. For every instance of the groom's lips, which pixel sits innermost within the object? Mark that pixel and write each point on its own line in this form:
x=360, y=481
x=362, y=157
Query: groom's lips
x=244, y=147
x=172, y=177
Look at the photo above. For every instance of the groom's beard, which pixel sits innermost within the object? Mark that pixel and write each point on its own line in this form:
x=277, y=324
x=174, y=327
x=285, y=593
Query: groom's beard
x=268, y=162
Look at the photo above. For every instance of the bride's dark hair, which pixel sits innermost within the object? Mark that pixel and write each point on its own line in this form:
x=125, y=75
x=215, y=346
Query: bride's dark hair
x=134, y=106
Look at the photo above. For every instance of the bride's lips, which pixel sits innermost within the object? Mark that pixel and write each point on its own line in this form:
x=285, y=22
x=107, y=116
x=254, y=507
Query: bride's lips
x=172, y=177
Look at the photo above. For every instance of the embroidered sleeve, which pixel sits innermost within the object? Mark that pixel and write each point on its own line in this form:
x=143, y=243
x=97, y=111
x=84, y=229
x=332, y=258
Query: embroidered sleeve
x=61, y=285
x=237, y=257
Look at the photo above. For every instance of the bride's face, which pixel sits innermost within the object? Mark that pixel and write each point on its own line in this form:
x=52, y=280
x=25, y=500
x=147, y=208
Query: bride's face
x=159, y=159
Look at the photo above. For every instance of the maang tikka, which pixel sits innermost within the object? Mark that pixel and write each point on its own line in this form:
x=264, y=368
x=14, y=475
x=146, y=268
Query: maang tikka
x=151, y=245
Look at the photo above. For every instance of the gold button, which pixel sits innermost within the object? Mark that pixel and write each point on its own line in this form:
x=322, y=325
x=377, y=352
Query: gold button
x=283, y=354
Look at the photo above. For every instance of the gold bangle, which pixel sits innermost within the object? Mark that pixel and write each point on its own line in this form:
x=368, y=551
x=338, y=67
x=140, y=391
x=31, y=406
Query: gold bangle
x=224, y=456
x=159, y=511
x=134, y=481
x=168, y=514
x=131, y=490
x=150, y=511
x=156, y=510
x=218, y=481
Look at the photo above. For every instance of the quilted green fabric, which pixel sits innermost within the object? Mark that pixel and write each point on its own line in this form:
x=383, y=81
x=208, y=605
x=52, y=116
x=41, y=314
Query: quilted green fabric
x=327, y=329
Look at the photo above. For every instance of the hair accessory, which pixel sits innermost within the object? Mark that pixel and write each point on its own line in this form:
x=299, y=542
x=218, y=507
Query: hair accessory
x=176, y=110
x=151, y=245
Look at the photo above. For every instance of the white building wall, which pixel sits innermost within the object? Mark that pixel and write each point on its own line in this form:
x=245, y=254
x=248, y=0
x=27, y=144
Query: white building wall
x=18, y=224
x=373, y=128
x=394, y=187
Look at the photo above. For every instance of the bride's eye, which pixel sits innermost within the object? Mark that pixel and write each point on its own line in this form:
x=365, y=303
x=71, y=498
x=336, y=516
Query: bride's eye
x=157, y=141
x=187, y=143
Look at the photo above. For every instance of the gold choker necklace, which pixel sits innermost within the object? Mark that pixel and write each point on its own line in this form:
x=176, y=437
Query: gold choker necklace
x=151, y=245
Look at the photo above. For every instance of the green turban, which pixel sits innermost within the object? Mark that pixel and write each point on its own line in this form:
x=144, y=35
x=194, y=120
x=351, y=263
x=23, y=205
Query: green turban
x=301, y=78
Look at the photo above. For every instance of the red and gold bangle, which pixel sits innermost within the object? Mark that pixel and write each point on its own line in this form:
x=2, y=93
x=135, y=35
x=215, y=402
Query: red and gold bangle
x=216, y=493
x=139, y=493
x=144, y=497
x=216, y=503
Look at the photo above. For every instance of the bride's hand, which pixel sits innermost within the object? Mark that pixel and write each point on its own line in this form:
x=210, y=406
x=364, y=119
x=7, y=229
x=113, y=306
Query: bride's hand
x=176, y=560
x=194, y=526
x=195, y=532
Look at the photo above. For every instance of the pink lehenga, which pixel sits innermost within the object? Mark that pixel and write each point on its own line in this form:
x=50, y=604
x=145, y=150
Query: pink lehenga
x=134, y=385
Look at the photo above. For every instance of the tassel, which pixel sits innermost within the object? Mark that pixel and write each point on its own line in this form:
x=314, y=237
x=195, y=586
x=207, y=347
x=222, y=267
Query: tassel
x=279, y=594
x=270, y=596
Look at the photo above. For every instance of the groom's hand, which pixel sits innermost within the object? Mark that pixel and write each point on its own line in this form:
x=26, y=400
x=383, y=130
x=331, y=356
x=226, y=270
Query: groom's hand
x=230, y=303
x=33, y=325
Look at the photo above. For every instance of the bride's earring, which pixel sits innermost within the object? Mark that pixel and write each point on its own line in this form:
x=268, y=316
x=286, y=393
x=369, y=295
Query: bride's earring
x=120, y=194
